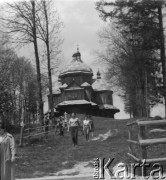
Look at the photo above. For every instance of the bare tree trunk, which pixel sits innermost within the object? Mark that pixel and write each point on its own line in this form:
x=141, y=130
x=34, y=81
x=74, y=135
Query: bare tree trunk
x=50, y=83
x=162, y=51
x=19, y=109
x=22, y=120
x=15, y=107
x=146, y=96
x=37, y=64
x=48, y=61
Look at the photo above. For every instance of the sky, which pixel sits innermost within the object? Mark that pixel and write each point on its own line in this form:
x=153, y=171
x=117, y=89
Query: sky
x=81, y=26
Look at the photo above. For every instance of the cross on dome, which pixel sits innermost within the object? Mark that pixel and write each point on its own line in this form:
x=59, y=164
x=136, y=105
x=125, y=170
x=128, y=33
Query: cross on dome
x=77, y=56
x=98, y=74
x=77, y=47
x=76, y=65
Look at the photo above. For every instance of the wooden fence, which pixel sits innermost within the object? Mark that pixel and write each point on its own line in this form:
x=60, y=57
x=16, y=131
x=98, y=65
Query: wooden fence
x=28, y=133
x=138, y=137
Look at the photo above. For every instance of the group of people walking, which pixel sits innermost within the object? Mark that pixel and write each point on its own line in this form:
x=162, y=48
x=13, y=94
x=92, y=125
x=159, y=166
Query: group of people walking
x=61, y=125
x=7, y=143
x=74, y=124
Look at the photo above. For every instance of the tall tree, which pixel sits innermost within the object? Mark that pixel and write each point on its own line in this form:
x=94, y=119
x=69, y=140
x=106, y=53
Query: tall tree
x=137, y=24
x=37, y=60
x=14, y=73
x=49, y=27
x=23, y=23
x=162, y=48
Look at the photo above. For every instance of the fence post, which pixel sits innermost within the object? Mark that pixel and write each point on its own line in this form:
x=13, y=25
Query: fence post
x=21, y=134
x=141, y=136
x=130, y=138
x=28, y=135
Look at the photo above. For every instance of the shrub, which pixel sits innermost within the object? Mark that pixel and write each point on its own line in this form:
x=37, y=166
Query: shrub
x=157, y=118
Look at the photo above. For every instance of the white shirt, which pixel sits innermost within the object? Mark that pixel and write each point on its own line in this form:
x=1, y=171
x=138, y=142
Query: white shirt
x=73, y=122
x=86, y=122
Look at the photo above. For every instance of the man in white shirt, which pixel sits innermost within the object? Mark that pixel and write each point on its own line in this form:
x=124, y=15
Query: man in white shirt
x=74, y=124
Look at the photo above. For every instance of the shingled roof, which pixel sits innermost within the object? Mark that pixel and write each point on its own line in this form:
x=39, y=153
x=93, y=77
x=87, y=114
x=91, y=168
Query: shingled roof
x=108, y=106
x=74, y=102
x=76, y=66
x=85, y=84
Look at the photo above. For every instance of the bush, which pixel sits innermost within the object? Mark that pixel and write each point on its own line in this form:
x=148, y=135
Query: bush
x=157, y=126
x=157, y=118
x=13, y=129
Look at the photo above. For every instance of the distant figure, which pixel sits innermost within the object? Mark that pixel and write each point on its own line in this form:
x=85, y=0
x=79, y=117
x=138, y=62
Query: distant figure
x=74, y=124
x=46, y=124
x=66, y=125
x=7, y=153
x=57, y=125
x=91, y=125
x=61, y=126
x=86, y=127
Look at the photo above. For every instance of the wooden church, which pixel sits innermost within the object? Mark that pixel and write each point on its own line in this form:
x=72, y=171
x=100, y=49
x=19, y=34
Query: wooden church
x=78, y=92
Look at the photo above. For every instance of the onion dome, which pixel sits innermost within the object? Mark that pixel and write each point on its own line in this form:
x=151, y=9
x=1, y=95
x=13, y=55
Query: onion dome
x=76, y=66
x=100, y=85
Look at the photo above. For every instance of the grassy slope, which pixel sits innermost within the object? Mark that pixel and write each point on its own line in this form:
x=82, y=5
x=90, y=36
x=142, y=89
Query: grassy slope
x=46, y=157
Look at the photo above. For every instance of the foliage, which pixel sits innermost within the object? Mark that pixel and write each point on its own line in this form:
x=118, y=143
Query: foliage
x=18, y=84
x=137, y=44
x=37, y=22
x=49, y=28
x=22, y=24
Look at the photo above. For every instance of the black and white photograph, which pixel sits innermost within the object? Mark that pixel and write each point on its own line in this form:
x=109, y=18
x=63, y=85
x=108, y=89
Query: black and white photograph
x=82, y=89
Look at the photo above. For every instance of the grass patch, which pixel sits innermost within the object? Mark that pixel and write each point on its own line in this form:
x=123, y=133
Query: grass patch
x=45, y=157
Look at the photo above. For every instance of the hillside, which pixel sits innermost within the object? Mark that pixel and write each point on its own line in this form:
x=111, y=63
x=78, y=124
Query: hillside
x=50, y=157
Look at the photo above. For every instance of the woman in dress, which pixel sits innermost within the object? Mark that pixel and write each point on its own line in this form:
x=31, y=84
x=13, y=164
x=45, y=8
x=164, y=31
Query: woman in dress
x=74, y=124
x=86, y=127
x=7, y=153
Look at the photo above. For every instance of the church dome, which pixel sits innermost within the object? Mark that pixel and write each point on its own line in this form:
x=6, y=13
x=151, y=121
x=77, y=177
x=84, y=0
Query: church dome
x=100, y=85
x=76, y=66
